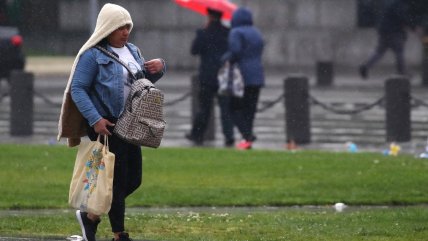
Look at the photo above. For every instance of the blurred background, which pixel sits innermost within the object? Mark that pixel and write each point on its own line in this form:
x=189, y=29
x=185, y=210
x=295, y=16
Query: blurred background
x=298, y=33
x=301, y=36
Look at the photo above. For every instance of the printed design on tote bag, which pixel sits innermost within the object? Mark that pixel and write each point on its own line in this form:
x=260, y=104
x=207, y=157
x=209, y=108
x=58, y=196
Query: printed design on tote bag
x=93, y=166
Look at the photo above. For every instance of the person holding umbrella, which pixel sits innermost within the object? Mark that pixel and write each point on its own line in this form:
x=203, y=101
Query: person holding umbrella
x=245, y=48
x=210, y=44
x=201, y=6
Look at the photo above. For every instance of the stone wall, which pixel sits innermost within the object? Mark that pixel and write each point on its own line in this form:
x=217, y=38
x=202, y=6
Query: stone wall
x=298, y=33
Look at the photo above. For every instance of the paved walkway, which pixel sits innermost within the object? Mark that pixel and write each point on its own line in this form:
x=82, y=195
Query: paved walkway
x=347, y=86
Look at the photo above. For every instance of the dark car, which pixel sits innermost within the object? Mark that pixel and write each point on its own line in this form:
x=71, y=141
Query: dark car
x=11, y=54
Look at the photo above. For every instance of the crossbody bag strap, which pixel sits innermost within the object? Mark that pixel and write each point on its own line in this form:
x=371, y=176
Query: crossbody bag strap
x=108, y=53
x=97, y=95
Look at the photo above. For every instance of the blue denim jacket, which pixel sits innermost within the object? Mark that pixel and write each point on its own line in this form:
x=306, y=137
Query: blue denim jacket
x=95, y=71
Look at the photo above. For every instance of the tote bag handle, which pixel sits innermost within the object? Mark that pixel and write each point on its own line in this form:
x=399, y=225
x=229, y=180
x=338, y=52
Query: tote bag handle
x=106, y=148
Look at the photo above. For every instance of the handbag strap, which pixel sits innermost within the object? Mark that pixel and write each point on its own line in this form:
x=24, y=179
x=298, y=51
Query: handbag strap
x=111, y=55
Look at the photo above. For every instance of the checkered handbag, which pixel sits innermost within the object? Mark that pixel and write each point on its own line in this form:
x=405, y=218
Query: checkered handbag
x=142, y=121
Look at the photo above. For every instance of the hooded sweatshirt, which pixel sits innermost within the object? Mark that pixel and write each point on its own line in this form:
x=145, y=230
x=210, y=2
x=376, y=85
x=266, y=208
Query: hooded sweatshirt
x=71, y=122
x=246, y=47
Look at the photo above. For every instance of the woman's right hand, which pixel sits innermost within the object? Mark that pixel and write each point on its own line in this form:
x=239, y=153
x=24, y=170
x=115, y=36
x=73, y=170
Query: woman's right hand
x=154, y=66
x=101, y=127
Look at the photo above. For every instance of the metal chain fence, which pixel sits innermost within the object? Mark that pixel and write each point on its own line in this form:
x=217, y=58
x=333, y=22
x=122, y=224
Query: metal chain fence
x=53, y=103
x=418, y=102
x=3, y=95
x=182, y=98
x=269, y=104
x=379, y=102
x=327, y=107
x=266, y=105
x=46, y=99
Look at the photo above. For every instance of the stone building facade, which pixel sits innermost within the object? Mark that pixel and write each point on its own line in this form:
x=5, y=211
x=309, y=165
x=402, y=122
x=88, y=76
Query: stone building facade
x=298, y=33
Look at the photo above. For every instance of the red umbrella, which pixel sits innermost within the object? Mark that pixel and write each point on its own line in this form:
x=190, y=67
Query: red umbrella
x=200, y=6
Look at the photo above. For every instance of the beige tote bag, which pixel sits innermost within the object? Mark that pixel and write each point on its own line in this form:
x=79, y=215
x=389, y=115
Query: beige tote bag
x=91, y=188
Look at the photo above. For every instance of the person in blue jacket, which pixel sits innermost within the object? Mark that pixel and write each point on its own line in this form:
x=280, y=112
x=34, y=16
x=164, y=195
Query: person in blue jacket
x=246, y=48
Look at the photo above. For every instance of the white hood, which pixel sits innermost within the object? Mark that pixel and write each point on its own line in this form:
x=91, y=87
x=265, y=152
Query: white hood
x=110, y=18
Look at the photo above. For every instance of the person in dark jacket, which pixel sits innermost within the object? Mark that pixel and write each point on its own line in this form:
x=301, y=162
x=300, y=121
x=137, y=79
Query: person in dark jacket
x=210, y=44
x=246, y=48
x=392, y=34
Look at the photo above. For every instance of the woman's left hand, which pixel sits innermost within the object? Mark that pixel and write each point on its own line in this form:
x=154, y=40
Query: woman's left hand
x=154, y=66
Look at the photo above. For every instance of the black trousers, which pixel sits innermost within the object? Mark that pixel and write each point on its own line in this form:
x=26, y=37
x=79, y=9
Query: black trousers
x=244, y=111
x=127, y=176
x=394, y=41
x=207, y=94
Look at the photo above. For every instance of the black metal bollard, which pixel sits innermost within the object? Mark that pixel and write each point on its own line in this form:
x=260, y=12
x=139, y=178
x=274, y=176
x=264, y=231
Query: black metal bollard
x=397, y=105
x=210, y=132
x=425, y=62
x=297, y=118
x=21, y=104
x=325, y=73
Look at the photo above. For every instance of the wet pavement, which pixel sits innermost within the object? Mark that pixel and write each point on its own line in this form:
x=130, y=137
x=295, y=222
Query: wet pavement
x=329, y=130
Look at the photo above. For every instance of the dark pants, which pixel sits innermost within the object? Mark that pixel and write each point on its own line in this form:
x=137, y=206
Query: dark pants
x=393, y=41
x=200, y=121
x=226, y=117
x=127, y=176
x=244, y=111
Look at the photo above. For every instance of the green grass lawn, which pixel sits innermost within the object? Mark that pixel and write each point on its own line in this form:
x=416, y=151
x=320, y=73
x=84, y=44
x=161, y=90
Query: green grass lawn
x=298, y=224
x=37, y=177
